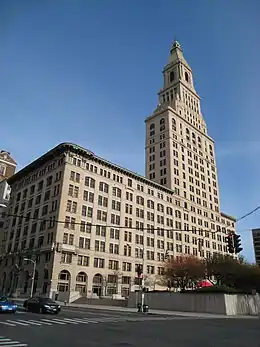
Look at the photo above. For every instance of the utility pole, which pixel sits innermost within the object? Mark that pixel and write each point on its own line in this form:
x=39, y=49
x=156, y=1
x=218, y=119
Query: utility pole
x=33, y=274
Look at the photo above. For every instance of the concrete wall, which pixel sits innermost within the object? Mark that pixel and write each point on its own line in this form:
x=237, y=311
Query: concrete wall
x=204, y=303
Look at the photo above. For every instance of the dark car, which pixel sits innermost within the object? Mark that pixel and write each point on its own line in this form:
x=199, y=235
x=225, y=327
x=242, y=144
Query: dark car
x=7, y=305
x=41, y=305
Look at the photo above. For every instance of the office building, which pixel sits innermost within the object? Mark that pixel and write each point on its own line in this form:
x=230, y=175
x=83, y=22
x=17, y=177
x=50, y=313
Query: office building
x=89, y=223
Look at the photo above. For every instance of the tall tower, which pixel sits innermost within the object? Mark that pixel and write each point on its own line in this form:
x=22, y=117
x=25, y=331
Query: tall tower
x=179, y=152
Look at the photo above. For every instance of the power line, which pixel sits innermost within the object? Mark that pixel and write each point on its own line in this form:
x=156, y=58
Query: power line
x=114, y=226
x=248, y=214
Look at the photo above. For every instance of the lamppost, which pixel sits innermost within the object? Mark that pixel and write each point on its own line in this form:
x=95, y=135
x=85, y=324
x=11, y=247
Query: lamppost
x=33, y=274
x=141, y=286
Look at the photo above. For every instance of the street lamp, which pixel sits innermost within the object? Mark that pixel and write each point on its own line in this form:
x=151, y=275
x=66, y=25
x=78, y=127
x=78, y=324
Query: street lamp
x=142, y=282
x=33, y=275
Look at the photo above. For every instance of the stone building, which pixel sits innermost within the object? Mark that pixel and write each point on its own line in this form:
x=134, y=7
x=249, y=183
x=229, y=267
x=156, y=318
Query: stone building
x=88, y=223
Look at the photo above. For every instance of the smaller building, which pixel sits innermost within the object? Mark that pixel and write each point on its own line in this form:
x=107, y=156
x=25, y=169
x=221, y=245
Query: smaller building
x=256, y=243
x=7, y=165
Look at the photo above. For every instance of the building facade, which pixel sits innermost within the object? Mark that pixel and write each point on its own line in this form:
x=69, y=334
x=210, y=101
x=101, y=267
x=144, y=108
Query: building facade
x=256, y=244
x=88, y=223
x=7, y=169
x=7, y=165
x=5, y=192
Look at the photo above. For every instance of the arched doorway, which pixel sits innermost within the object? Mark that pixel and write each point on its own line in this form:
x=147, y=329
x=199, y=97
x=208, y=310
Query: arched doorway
x=81, y=282
x=64, y=281
x=97, y=284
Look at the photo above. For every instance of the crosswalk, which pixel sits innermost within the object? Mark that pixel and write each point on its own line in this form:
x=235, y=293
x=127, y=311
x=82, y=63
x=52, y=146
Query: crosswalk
x=5, y=342
x=74, y=321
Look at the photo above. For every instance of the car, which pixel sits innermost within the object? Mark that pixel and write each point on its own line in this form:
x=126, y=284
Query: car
x=40, y=304
x=7, y=305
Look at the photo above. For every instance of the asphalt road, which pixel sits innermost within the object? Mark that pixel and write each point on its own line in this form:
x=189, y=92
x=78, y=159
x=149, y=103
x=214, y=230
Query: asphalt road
x=81, y=328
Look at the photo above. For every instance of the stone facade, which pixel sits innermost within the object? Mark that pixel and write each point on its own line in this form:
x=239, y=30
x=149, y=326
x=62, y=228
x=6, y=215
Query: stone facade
x=88, y=223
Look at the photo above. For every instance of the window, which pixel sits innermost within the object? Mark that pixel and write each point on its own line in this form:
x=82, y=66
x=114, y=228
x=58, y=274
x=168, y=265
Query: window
x=100, y=246
x=113, y=265
x=83, y=260
x=99, y=262
x=186, y=77
x=69, y=223
x=117, y=192
x=103, y=187
x=101, y=230
x=74, y=176
x=102, y=201
x=66, y=258
x=101, y=215
x=88, y=196
x=85, y=227
x=87, y=211
x=171, y=76
x=116, y=205
x=114, y=233
x=89, y=182
x=2, y=170
x=84, y=243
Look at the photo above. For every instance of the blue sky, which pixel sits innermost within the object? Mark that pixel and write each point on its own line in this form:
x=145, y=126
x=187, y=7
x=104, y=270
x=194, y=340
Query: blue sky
x=88, y=72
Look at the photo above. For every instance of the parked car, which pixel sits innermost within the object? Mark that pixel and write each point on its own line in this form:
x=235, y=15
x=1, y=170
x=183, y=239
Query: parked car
x=7, y=305
x=39, y=304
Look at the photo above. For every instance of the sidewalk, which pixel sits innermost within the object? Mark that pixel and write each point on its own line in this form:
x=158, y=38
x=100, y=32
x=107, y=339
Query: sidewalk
x=157, y=312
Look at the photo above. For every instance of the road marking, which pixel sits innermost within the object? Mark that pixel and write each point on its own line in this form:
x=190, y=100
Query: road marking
x=9, y=324
x=47, y=320
x=11, y=343
x=40, y=322
x=33, y=322
x=18, y=322
x=70, y=321
x=59, y=321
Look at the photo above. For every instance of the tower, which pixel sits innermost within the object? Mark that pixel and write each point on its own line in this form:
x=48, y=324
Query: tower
x=179, y=152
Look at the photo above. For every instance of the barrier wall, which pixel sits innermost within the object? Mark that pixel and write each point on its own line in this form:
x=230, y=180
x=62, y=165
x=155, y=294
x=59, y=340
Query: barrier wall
x=224, y=304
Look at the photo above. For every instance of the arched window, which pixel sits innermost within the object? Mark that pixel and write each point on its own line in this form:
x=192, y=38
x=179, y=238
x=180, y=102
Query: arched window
x=172, y=76
x=152, y=126
x=186, y=77
x=162, y=121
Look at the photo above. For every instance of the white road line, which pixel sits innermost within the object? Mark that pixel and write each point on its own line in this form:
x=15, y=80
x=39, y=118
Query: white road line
x=9, y=324
x=58, y=321
x=39, y=322
x=87, y=320
x=11, y=343
x=32, y=322
x=78, y=320
x=70, y=321
x=3, y=340
x=17, y=322
x=47, y=320
x=14, y=344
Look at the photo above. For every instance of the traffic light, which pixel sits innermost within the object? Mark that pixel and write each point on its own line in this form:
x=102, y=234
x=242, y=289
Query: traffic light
x=230, y=243
x=237, y=243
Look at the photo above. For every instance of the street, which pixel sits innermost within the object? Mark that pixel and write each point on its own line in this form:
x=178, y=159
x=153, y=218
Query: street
x=86, y=327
